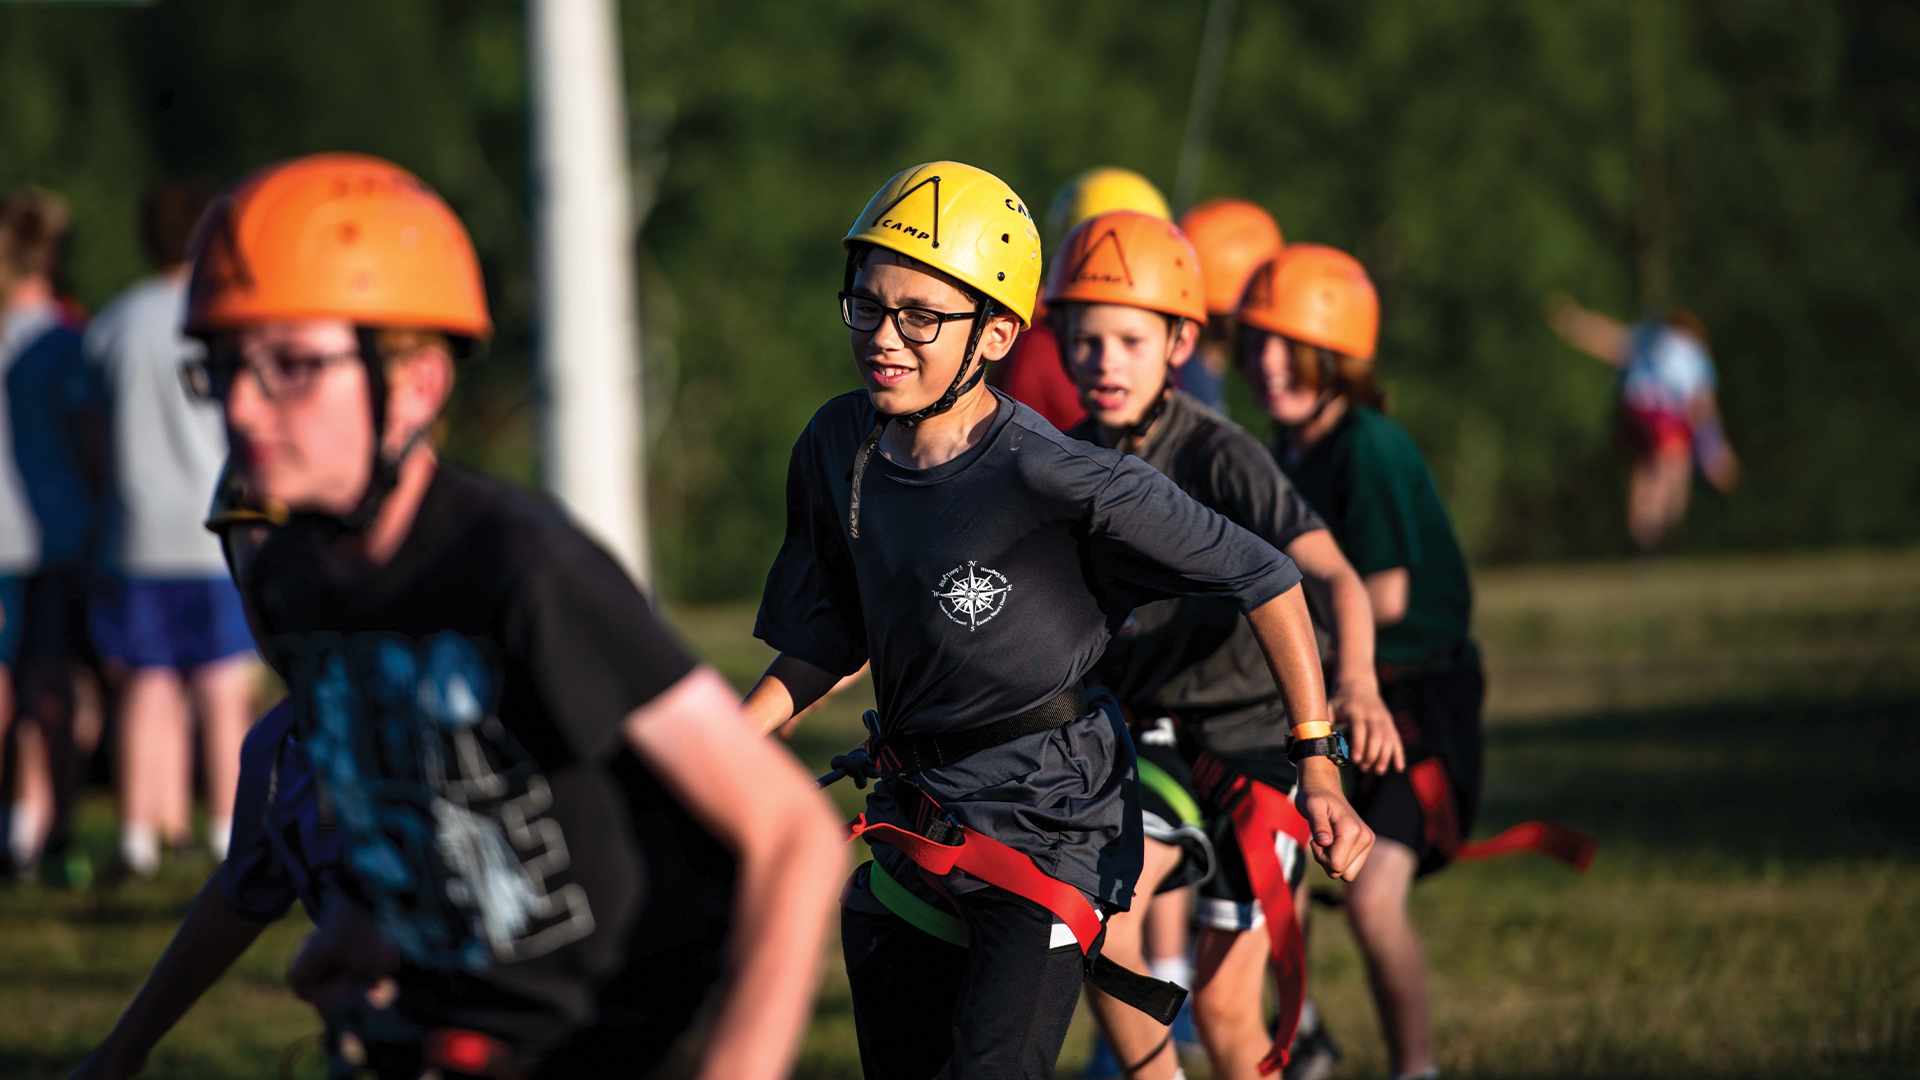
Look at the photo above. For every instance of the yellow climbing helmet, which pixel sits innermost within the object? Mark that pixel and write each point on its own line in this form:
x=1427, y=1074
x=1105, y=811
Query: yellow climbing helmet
x=962, y=221
x=1100, y=190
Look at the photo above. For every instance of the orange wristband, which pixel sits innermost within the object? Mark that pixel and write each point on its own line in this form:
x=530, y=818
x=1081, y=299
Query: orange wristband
x=1312, y=729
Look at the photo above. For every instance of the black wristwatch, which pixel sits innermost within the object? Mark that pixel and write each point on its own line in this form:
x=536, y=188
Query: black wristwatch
x=1328, y=746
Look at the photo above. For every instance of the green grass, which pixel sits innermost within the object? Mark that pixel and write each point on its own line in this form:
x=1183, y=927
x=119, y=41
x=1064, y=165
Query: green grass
x=1754, y=910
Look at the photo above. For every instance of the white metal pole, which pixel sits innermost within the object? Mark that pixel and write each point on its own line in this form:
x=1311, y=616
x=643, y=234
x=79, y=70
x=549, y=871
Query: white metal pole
x=588, y=328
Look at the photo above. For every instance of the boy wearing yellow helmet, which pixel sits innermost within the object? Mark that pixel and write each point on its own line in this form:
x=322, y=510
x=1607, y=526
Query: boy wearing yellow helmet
x=1128, y=301
x=981, y=560
x=516, y=753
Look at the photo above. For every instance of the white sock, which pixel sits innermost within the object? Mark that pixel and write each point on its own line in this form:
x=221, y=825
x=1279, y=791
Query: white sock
x=1309, y=1016
x=1174, y=969
x=219, y=835
x=140, y=848
x=23, y=837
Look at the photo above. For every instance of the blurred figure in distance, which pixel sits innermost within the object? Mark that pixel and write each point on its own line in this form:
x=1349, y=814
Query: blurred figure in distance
x=47, y=522
x=1668, y=411
x=167, y=616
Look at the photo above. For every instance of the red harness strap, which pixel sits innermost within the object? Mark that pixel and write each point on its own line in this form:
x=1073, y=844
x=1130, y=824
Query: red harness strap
x=1434, y=789
x=469, y=1052
x=996, y=864
x=1259, y=813
x=999, y=865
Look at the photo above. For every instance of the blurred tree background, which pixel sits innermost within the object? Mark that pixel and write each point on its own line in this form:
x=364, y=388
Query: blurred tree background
x=1476, y=154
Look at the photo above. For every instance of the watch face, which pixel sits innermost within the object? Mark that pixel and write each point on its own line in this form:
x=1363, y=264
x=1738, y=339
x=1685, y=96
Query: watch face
x=1341, y=752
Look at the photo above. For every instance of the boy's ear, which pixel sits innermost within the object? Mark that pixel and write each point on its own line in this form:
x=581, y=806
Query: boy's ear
x=422, y=380
x=997, y=340
x=1185, y=342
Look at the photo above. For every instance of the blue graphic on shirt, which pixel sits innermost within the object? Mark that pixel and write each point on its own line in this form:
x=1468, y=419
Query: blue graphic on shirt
x=443, y=810
x=1666, y=370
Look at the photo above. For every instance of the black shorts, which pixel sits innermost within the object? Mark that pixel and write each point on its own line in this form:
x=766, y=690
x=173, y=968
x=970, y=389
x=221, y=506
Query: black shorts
x=1212, y=857
x=54, y=623
x=1432, y=805
x=996, y=1008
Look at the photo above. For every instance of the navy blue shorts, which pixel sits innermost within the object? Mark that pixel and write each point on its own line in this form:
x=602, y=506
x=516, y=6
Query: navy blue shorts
x=169, y=623
x=13, y=611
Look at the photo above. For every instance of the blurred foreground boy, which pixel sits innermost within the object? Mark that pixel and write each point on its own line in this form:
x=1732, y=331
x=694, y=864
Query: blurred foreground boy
x=981, y=561
x=496, y=719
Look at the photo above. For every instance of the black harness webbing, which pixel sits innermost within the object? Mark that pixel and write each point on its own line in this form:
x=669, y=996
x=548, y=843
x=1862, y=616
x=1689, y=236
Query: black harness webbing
x=913, y=753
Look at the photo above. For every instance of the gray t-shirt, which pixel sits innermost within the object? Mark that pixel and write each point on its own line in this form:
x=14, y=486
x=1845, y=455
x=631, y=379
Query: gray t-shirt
x=166, y=449
x=1196, y=656
x=984, y=586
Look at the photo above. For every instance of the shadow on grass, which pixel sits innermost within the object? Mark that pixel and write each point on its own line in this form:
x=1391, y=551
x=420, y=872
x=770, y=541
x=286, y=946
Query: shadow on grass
x=1785, y=784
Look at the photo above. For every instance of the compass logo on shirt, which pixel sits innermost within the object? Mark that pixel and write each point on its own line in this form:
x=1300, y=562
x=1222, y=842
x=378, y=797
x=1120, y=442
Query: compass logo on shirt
x=972, y=595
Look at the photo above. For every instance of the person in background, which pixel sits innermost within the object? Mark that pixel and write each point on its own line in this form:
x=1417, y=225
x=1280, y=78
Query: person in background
x=1210, y=726
x=166, y=616
x=1668, y=411
x=1309, y=323
x=50, y=490
x=1233, y=237
x=1032, y=373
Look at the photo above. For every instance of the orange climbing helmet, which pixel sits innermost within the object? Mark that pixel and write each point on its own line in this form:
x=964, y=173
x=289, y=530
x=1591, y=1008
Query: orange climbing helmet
x=1233, y=237
x=1315, y=294
x=335, y=235
x=1127, y=257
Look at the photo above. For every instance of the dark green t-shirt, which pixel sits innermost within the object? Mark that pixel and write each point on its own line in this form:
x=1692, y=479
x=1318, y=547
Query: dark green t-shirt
x=1368, y=480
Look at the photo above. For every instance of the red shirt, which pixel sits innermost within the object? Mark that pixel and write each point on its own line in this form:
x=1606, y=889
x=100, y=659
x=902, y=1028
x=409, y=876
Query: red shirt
x=1034, y=376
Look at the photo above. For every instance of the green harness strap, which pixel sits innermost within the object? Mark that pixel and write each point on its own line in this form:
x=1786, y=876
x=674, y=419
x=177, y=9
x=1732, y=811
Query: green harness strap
x=917, y=912
x=1168, y=788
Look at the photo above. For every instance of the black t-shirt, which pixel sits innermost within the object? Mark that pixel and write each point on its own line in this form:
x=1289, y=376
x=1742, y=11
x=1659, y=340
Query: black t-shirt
x=462, y=708
x=1196, y=656
x=984, y=586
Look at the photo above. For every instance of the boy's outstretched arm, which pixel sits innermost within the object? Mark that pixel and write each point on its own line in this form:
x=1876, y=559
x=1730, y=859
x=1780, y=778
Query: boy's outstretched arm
x=209, y=940
x=755, y=798
x=1356, y=696
x=1341, y=840
x=1600, y=337
x=784, y=692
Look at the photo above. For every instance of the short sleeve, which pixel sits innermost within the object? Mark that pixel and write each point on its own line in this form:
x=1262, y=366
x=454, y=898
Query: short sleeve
x=588, y=641
x=1379, y=525
x=1255, y=495
x=1157, y=542
x=810, y=609
x=254, y=880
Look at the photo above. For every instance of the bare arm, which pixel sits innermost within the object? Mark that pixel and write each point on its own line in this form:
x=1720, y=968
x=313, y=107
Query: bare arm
x=1340, y=839
x=756, y=799
x=1387, y=593
x=1592, y=333
x=1356, y=698
x=209, y=940
x=786, y=690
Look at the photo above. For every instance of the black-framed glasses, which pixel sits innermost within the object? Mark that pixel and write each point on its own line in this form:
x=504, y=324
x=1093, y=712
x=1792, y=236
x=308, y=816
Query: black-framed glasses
x=281, y=375
x=916, y=324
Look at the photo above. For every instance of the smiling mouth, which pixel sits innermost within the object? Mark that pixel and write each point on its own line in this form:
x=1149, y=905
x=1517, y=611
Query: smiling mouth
x=1108, y=397
x=888, y=374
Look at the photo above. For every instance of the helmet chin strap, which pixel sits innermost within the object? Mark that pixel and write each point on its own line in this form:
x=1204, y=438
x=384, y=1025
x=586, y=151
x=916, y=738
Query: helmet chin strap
x=961, y=385
x=1139, y=428
x=384, y=475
